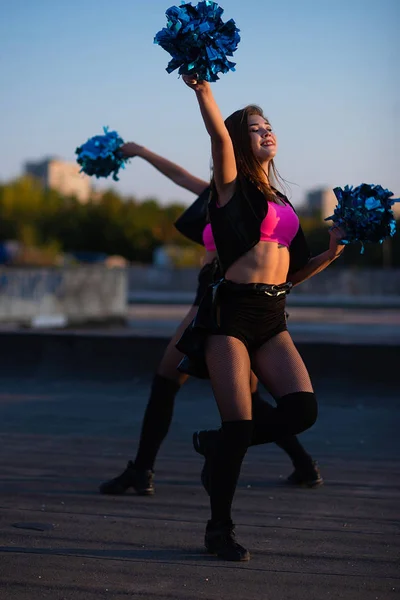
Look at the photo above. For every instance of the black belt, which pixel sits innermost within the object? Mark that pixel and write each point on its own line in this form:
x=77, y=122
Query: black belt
x=269, y=289
x=266, y=289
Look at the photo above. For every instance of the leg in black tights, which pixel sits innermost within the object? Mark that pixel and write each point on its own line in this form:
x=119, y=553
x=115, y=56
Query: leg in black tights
x=229, y=367
x=157, y=420
x=156, y=423
x=306, y=470
x=262, y=412
x=281, y=369
x=227, y=460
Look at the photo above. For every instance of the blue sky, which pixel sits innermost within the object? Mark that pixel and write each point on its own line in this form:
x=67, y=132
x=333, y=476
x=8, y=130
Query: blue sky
x=325, y=72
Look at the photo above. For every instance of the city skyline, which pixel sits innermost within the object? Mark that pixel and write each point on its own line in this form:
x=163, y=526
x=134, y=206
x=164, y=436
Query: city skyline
x=334, y=98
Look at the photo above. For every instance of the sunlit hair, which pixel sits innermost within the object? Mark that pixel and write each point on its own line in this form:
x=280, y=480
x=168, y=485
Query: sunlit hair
x=248, y=166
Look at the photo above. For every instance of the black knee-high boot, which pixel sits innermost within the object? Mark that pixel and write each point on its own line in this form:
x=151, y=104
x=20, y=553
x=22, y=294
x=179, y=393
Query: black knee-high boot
x=224, y=469
x=293, y=414
x=263, y=411
x=157, y=421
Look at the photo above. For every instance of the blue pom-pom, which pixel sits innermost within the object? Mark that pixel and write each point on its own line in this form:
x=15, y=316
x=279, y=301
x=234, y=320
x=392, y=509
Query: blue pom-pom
x=364, y=213
x=100, y=155
x=198, y=40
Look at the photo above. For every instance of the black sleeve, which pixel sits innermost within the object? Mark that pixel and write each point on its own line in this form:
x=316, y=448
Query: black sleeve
x=299, y=252
x=191, y=223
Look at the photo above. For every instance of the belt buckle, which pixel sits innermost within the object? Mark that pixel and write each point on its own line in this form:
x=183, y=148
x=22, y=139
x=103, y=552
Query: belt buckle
x=271, y=291
x=278, y=290
x=275, y=291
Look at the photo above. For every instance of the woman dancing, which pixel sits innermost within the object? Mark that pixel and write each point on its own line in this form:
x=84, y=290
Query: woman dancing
x=240, y=324
x=139, y=474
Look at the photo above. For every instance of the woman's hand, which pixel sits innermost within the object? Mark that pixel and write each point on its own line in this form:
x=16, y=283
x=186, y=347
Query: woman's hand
x=196, y=85
x=130, y=149
x=336, y=247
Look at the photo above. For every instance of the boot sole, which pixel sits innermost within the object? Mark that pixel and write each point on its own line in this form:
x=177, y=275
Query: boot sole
x=306, y=484
x=313, y=484
x=212, y=552
x=144, y=492
x=112, y=493
x=122, y=492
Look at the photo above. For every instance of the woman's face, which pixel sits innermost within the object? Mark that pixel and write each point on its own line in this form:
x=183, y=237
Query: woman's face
x=262, y=138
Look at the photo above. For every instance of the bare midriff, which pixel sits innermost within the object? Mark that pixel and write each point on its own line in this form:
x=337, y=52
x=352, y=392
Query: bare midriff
x=267, y=262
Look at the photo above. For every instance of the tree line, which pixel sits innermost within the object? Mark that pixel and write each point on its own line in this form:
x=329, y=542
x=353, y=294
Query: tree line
x=115, y=225
x=108, y=223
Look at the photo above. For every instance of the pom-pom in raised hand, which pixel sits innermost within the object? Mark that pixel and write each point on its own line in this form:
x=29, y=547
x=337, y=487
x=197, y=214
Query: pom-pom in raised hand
x=364, y=213
x=100, y=155
x=198, y=40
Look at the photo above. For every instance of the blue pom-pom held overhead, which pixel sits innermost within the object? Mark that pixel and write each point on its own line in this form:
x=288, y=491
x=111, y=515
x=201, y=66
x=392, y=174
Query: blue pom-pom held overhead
x=198, y=40
x=364, y=213
x=100, y=155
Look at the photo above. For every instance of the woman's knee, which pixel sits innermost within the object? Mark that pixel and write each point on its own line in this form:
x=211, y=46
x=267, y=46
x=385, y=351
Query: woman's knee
x=168, y=366
x=301, y=410
x=171, y=372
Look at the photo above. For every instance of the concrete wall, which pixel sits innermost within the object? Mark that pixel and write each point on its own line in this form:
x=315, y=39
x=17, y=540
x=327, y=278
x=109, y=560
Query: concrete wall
x=62, y=296
x=152, y=284
x=94, y=293
x=353, y=282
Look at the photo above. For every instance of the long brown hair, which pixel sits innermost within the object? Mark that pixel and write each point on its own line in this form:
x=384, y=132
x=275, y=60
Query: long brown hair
x=248, y=166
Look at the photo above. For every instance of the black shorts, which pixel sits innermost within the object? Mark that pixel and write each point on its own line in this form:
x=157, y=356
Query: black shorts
x=253, y=313
x=247, y=313
x=209, y=274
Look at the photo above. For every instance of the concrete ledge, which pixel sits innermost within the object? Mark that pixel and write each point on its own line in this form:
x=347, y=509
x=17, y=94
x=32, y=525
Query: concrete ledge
x=101, y=357
x=63, y=296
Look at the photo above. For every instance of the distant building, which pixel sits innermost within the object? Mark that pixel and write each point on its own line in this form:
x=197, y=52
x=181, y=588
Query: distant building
x=64, y=177
x=396, y=207
x=320, y=203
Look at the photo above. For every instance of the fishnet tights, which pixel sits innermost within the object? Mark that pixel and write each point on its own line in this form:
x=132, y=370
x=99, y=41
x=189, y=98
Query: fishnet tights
x=277, y=364
x=168, y=366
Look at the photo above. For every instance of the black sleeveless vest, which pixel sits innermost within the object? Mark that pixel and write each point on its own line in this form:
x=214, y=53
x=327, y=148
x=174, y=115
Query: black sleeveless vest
x=236, y=227
x=191, y=223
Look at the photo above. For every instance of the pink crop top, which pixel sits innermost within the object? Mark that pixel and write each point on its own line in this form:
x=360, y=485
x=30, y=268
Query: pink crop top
x=208, y=238
x=280, y=226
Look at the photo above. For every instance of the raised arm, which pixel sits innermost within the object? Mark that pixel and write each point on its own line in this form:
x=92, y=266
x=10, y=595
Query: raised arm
x=223, y=155
x=171, y=170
